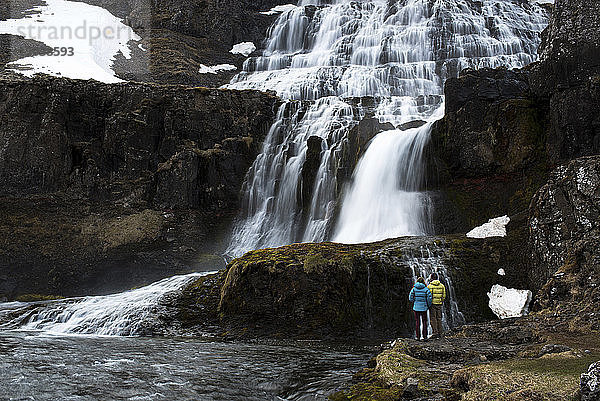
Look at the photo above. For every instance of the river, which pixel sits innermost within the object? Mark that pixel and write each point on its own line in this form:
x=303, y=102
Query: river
x=41, y=366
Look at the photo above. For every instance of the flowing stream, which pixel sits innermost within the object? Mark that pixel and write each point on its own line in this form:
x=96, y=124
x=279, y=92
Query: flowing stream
x=38, y=366
x=90, y=349
x=322, y=56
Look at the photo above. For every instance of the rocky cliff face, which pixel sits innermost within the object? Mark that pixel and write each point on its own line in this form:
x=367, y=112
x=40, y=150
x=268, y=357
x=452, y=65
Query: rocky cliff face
x=504, y=130
x=178, y=36
x=89, y=170
x=488, y=151
x=567, y=80
x=565, y=227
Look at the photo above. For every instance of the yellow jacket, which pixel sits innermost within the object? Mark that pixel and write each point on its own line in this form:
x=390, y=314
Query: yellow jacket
x=438, y=291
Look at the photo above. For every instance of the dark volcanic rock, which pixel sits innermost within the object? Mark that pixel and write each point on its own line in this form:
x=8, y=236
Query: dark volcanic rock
x=139, y=180
x=336, y=290
x=491, y=126
x=565, y=227
x=567, y=79
x=590, y=383
x=488, y=151
x=82, y=136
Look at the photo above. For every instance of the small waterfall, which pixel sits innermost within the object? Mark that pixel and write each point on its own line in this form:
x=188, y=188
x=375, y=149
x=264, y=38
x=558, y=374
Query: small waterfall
x=385, y=199
x=124, y=314
x=321, y=56
x=430, y=261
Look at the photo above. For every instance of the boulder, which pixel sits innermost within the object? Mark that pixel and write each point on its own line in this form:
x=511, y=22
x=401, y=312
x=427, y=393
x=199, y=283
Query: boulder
x=590, y=383
x=337, y=290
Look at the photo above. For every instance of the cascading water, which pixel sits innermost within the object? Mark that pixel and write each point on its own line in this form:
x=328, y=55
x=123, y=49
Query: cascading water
x=426, y=262
x=385, y=199
x=122, y=314
x=321, y=56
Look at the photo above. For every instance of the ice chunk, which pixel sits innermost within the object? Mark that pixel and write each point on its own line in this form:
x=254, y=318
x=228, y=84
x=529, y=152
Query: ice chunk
x=244, y=48
x=279, y=9
x=508, y=302
x=215, y=69
x=501, y=272
x=493, y=228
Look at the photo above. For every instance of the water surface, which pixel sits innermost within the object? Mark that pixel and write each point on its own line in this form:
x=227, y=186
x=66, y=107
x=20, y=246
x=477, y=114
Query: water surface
x=41, y=366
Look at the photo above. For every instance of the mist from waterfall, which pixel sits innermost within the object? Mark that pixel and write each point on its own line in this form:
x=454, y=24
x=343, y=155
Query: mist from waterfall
x=325, y=58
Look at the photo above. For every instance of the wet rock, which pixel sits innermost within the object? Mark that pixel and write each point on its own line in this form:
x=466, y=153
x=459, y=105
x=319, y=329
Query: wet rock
x=411, y=388
x=411, y=124
x=310, y=170
x=590, y=383
x=358, y=140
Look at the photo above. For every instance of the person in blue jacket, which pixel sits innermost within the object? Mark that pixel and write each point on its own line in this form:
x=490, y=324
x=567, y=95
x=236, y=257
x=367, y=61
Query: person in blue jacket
x=422, y=299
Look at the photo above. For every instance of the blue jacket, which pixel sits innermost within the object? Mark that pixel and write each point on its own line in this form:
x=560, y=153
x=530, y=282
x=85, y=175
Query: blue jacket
x=421, y=296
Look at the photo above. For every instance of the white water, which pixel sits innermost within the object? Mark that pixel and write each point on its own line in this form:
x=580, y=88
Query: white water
x=120, y=314
x=385, y=200
x=399, y=52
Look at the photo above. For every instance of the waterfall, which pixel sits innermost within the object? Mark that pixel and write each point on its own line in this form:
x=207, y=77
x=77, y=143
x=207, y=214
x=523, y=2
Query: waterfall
x=385, y=199
x=122, y=314
x=325, y=58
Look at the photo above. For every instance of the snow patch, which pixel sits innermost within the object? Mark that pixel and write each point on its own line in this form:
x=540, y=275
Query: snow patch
x=279, y=9
x=501, y=272
x=91, y=35
x=244, y=48
x=493, y=228
x=508, y=302
x=215, y=69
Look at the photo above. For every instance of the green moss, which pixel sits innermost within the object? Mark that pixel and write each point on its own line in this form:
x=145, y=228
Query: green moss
x=555, y=365
x=37, y=297
x=552, y=377
x=368, y=392
x=315, y=263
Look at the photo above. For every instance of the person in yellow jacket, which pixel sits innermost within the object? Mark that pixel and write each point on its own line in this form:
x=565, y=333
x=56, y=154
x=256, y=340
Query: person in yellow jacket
x=438, y=292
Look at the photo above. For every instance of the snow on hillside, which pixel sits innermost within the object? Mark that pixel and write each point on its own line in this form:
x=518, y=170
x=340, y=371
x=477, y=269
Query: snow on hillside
x=86, y=39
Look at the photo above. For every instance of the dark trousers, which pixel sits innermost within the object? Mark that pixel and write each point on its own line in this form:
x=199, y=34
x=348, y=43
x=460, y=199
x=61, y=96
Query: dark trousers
x=421, y=322
x=435, y=314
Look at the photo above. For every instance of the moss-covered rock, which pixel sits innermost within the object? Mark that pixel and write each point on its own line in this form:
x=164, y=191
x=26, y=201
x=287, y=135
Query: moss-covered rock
x=316, y=289
x=336, y=290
